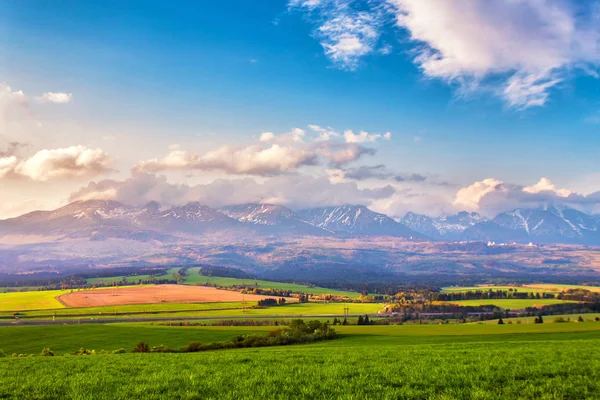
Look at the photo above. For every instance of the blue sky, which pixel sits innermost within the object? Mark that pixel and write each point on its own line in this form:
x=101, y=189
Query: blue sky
x=208, y=74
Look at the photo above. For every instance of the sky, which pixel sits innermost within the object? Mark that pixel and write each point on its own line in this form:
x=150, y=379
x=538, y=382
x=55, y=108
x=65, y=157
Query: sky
x=430, y=106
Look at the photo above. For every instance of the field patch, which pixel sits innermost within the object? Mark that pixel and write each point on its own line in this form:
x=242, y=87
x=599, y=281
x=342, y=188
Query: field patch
x=37, y=300
x=194, y=277
x=154, y=294
x=511, y=304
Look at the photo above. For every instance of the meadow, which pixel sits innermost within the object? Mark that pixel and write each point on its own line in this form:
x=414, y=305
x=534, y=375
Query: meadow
x=229, y=309
x=130, y=279
x=36, y=300
x=471, y=361
x=194, y=278
x=529, y=288
x=511, y=304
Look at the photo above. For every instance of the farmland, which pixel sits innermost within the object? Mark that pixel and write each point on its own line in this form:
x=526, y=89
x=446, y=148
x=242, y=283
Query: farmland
x=511, y=304
x=36, y=300
x=194, y=277
x=529, y=288
x=413, y=362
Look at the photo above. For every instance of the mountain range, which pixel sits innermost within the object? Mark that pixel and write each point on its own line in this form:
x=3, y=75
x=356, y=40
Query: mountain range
x=100, y=219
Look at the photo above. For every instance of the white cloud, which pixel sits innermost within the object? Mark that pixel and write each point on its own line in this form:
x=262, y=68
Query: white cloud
x=525, y=47
x=289, y=190
x=7, y=165
x=54, y=97
x=469, y=197
x=62, y=163
x=491, y=196
x=251, y=160
x=345, y=32
x=363, y=136
x=325, y=134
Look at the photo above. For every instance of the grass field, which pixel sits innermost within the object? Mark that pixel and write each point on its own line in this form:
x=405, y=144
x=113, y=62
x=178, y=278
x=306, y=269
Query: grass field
x=37, y=300
x=532, y=288
x=194, y=277
x=511, y=304
x=129, y=279
x=572, y=318
x=547, y=361
x=207, y=309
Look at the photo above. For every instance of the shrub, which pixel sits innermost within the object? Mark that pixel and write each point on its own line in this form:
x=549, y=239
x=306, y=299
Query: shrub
x=47, y=352
x=84, y=352
x=162, y=349
x=119, y=351
x=141, y=348
x=192, y=347
x=560, y=320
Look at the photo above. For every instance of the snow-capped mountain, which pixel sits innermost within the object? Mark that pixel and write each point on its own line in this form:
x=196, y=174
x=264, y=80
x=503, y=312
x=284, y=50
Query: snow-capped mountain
x=99, y=219
x=549, y=224
x=356, y=219
x=276, y=218
x=449, y=227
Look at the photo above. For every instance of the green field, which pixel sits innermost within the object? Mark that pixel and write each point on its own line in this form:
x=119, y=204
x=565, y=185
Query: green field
x=37, y=300
x=194, y=277
x=510, y=304
x=129, y=279
x=572, y=318
x=533, y=288
x=470, y=361
x=176, y=310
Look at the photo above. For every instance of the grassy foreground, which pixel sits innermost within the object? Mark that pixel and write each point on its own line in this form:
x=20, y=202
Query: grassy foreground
x=394, y=362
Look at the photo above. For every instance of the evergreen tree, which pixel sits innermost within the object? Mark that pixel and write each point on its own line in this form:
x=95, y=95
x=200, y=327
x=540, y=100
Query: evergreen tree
x=366, y=320
x=345, y=322
x=500, y=322
x=360, y=320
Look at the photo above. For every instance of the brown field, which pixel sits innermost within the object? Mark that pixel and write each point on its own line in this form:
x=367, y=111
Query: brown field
x=153, y=294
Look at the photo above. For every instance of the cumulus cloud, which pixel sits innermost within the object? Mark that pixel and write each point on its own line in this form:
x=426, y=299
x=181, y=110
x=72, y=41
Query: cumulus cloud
x=291, y=191
x=545, y=185
x=62, y=163
x=345, y=31
x=363, y=137
x=54, y=97
x=529, y=47
x=272, y=155
x=519, y=49
x=491, y=196
x=252, y=160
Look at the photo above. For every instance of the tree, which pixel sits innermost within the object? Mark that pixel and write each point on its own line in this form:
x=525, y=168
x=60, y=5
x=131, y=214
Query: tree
x=366, y=320
x=345, y=322
x=580, y=319
x=360, y=320
x=538, y=320
x=500, y=322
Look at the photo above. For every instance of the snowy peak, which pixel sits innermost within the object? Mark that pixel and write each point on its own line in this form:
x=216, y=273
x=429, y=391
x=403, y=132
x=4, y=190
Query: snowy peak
x=355, y=219
x=444, y=227
x=260, y=214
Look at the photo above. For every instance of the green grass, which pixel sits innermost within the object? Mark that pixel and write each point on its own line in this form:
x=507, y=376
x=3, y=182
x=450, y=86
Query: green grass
x=129, y=279
x=547, y=361
x=194, y=277
x=229, y=309
x=37, y=300
x=510, y=304
x=533, y=288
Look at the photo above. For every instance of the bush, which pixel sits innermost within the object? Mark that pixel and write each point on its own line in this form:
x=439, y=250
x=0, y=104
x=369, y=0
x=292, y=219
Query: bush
x=2, y=354
x=47, y=352
x=141, y=348
x=192, y=347
x=162, y=349
x=559, y=320
x=84, y=352
x=580, y=319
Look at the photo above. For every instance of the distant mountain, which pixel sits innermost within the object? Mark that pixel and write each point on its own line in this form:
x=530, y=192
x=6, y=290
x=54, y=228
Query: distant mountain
x=275, y=218
x=100, y=220
x=356, y=219
x=548, y=224
x=450, y=227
